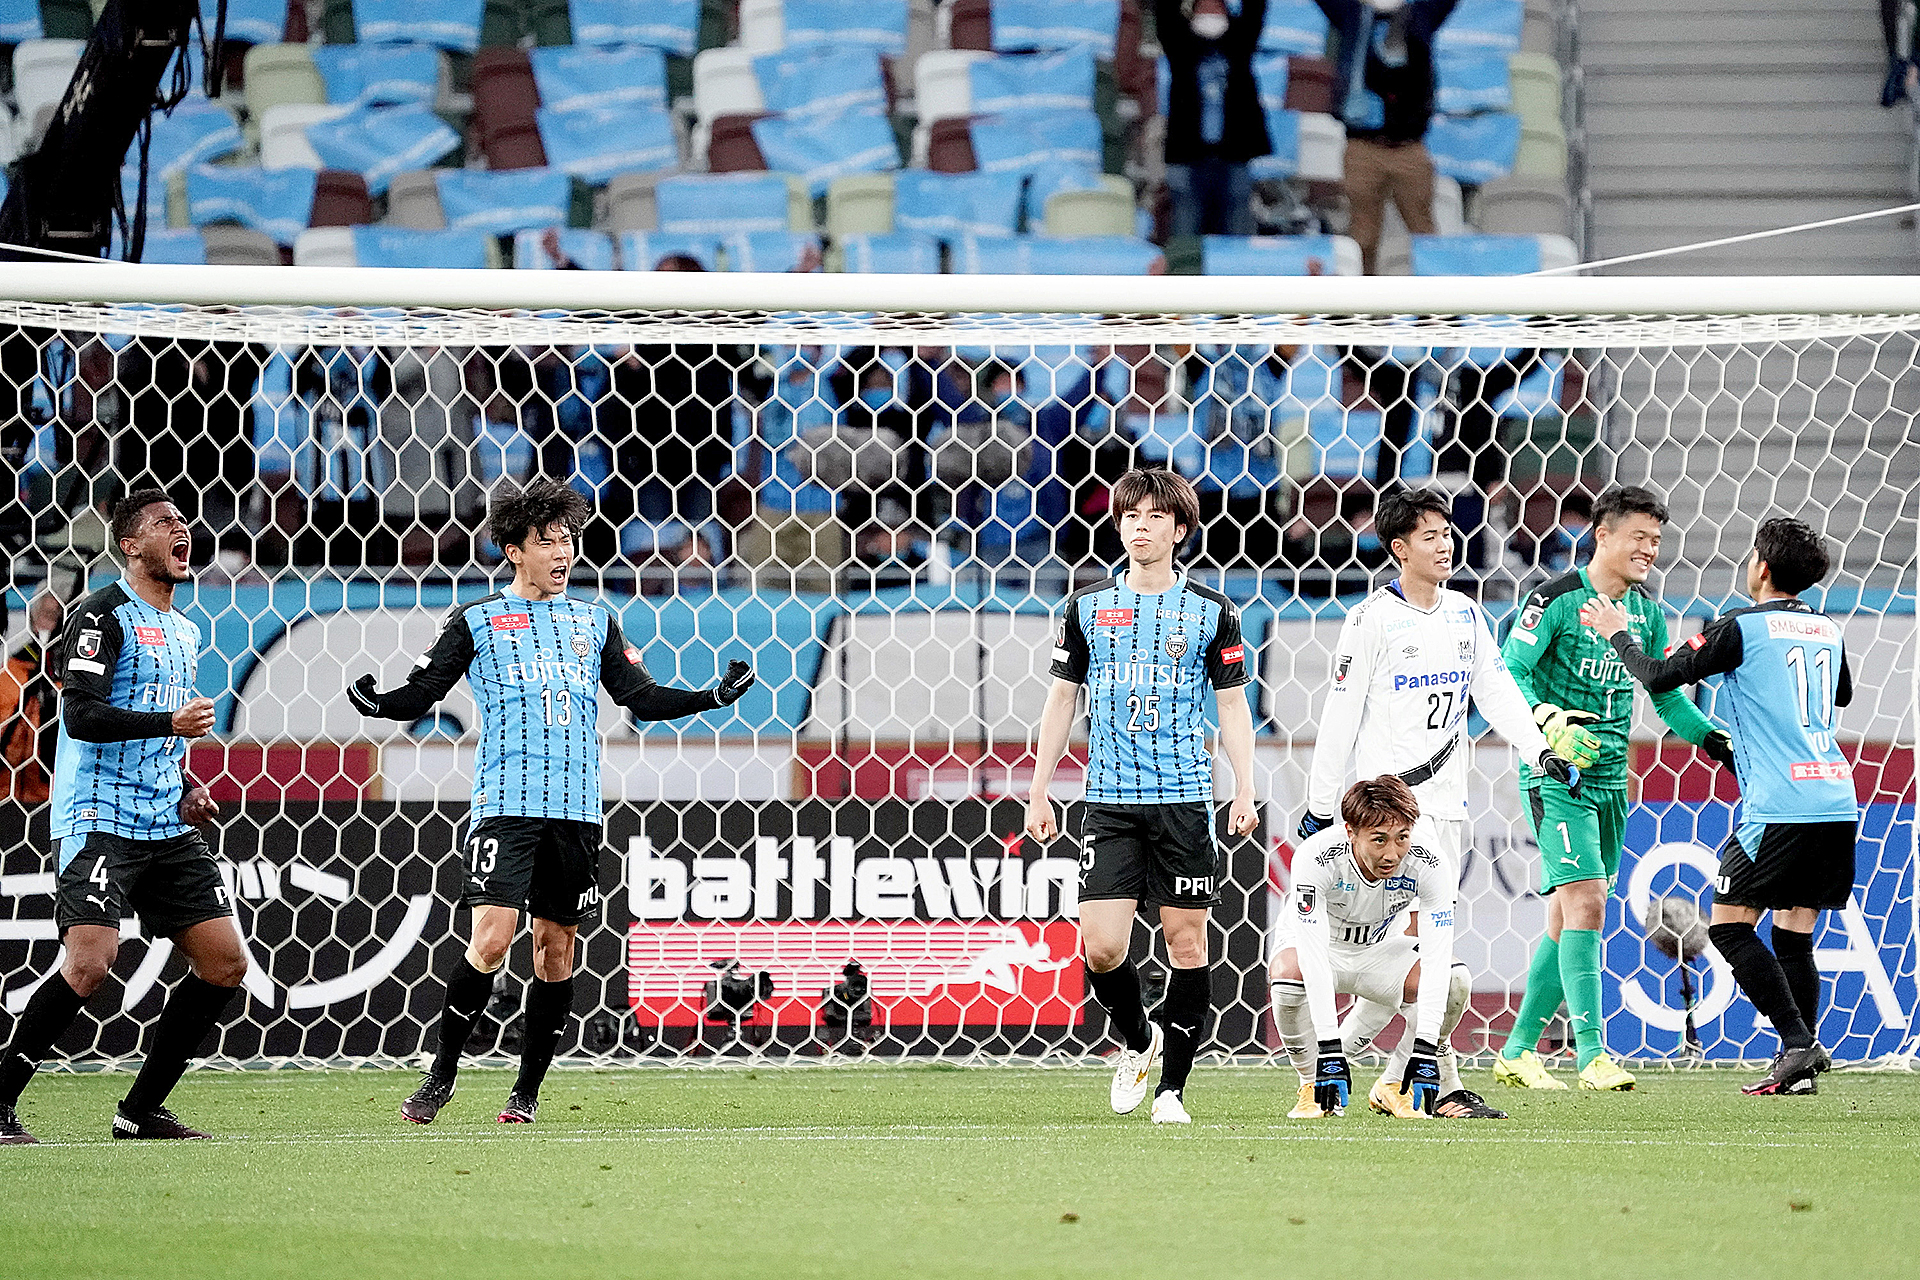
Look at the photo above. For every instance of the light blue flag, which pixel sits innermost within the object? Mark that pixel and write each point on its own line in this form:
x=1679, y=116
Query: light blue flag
x=815, y=81
x=20, y=20
x=593, y=145
x=379, y=74
x=829, y=148
x=590, y=250
x=197, y=131
x=1475, y=255
x=1471, y=80
x=881, y=25
x=1027, y=142
x=1482, y=24
x=1057, y=24
x=277, y=202
x=1268, y=255
x=405, y=247
x=643, y=250
x=1058, y=81
x=896, y=253
x=769, y=250
x=572, y=77
x=669, y=25
x=1474, y=149
x=451, y=24
x=1283, y=134
x=949, y=205
x=502, y=201
x=1294, y=26
x=720, y=204
x=378, y=142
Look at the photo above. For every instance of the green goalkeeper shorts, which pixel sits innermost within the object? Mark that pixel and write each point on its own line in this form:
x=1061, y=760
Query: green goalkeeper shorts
x=1580, y=837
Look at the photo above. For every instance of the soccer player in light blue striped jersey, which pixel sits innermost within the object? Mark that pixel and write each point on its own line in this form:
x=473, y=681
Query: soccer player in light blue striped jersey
x=536, y=661
x=1148, y=647
x=1783, y=675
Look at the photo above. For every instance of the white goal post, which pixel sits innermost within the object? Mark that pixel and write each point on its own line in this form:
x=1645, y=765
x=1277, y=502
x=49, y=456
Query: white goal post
x=879, y=489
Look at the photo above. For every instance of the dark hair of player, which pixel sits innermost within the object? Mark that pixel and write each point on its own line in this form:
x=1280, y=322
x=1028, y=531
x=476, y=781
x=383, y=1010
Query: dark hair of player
x=1399, y=511
x=1164, y=490
x=518, y=510
x=126, y=512
x=1794, y=554
x=1373, y=803
x=1627, y=500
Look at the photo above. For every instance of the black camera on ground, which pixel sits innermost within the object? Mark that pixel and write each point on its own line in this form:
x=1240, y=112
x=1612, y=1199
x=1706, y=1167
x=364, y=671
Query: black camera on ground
x=734, y=992
x=847, y=1006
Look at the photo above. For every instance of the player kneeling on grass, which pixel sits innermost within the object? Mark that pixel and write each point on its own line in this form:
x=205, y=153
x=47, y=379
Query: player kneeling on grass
x=1783, y=671
x=536, y=661
x=1350, y=885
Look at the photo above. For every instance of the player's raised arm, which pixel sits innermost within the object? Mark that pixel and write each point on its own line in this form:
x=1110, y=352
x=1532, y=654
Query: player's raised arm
x=437, y=671
x=1715, y=651
x=92, y=643
x=626, y=677
x=1675, y=707
x=1341, y=712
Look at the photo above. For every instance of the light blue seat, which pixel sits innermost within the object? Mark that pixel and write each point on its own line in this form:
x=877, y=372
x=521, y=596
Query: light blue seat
x=1269, y=255
x=769, y=250
x=1294, y=26
x=1052, y=81
x=450, y=24
x=1051, y=256
x=593, y=144
x=252, y=21
x=1032, y=141
x=949, y=205
x=1470, y=80
x=572, y=77
x=880, y=25
x=378, y=142
x=197, y=131
x=896, y=253
x=378, y=74
x=721, y=204
x=1482, y=24
x=501, y=202
x=592, y=250
x=1056, y=24
x=672, y=26
x=641, y=250
x=404, y=247
x=1474, y=149
x=816, y=81
x=827, y=148
x=276, y=202
x=1475, y=255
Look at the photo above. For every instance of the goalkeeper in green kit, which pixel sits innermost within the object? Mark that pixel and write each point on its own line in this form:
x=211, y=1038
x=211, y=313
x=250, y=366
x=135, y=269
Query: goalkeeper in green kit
x=1582, y=697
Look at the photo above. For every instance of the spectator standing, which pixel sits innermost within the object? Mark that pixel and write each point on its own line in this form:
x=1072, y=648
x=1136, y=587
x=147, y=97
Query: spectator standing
x=29, y=704
x=1383, y=85
x=1214, y=121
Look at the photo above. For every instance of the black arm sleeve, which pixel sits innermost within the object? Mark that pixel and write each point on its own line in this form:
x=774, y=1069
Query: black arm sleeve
x=433, y=675
x=1070, y=654
x=1227, y=656
x=626, y=677
x=1713, y=652
x=1843, y=687
x=92, y=643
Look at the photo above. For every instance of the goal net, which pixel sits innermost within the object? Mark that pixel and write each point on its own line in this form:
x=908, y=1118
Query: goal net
x=879, y=490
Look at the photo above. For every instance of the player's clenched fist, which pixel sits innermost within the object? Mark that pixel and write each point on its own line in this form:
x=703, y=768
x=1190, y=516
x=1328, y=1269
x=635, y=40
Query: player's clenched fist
x=1242, y=818
x=1040, y=823
x=198, y=806
x=195, y=720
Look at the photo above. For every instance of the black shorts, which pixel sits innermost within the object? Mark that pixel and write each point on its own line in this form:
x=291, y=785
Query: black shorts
x=547, y=867
x=1797, y=864
x=171, y=884
x=1160, y=855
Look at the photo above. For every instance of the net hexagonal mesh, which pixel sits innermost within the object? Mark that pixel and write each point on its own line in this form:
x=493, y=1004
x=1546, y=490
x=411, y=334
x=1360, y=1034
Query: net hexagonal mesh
x=883, y=512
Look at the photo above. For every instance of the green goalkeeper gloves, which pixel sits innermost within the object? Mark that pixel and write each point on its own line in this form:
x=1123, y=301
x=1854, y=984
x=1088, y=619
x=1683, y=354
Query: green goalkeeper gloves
x=1566, y=732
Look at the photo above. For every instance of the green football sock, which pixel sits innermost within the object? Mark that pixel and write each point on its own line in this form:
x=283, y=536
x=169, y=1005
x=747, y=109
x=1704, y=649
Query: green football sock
x=1541, y=1000
x=1580, y=976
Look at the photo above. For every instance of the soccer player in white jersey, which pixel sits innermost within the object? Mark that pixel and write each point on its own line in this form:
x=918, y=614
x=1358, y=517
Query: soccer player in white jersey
x=1338, y=934
x=1408, y=658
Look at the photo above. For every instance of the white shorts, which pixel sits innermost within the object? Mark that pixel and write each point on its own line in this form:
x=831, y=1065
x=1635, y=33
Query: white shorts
x=1377, y=973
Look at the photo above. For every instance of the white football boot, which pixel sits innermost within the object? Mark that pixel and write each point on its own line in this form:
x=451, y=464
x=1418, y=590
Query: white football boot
x=1132, y=1071
x=1168, y=1109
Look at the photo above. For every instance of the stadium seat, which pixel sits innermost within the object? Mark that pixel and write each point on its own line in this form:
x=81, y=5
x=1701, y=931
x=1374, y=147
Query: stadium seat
x=1051, y=81
x=724, y=84
x=672, y=26
x=325, y=247
x=727, y=146
x=898, y=253
x=591, y=250
x=950, y=147
x=1104, y=210
x=544, y=23
x=1540, y=29
x=1557, y=251
x=571, y=77
x=594, y=145
x=172, y=245
x=763, y=25
x=450, y=24
x=1466, y=81
x=283, y=134
x=816, y=81
x=949, y=205
x=1542, y=152
x=820, y=151
x=277, y=202
x=769, y=250
x=340, y=199
x=1520, y=205
x=860, y=204
x=642, y=250
x=1042, y=256
x=1294, y=26
x=252, y=22
x=41, y=71
x=1310, y=85
x=1475, y=149
x=943, y=83
x=1536, y=94
x=381, y=74
x=506, y=102
x=964, y=24
x=1056, y=24
x=1279, y=256
x=194, y=132
x=280, y=75
x=1482, y=24
x=378, y=142
x=630, y=201
x=722, y=204
x=1323, y=148
x=880, y=25
x=226, y=245
x=1028, y=142
x=501, y=202
x=413, y=201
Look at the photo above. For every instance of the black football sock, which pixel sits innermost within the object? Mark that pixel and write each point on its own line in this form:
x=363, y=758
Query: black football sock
x=549, y=1005
x=1795, y=953
x=1185, y=1017
x=49, y=1012
x=1118, y=991
x=191, y=1011
x=1761, y=978
x=467, y=993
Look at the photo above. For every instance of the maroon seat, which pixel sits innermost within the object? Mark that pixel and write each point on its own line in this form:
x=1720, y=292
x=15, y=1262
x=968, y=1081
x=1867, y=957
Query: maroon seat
x=730, y=145
x=505, y=100
x=1310, y=85
x=340, y=199
x=950, y=147
x=1133, y=74
x=972, y=25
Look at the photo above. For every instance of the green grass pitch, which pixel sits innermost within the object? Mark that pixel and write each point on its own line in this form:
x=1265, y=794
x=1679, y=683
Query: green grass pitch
x=948, y=1172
